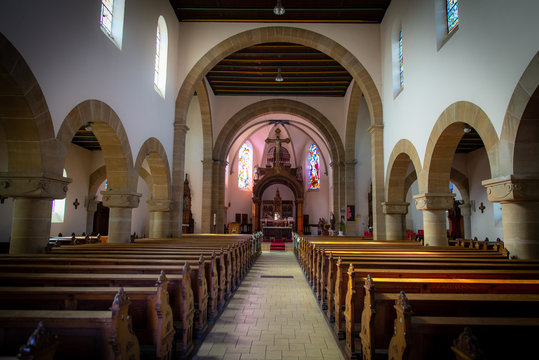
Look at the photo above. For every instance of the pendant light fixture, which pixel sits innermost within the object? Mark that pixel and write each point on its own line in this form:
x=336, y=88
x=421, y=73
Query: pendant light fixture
x=278, y=9
x=279, y=77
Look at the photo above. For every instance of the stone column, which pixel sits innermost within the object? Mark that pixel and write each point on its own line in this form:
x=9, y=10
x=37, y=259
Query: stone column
x=159, y=217
x=218, y=194
x=335, y=166
x=178, y=169
x=519, y=196
x=395, y=219
x=121, y=206
x=91, y=208
x=465, y=211
x=33, y=195
x=299, y=216
x=377, y=163
x=434, y=206
x=208, y=192
x=350, y=180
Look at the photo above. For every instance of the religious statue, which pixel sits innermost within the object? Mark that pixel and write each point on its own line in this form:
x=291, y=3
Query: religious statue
x=332, y=221
x=277, y=142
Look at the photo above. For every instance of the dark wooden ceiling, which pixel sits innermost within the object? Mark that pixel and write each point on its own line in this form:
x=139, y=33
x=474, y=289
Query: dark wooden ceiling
x=85, y=138
x=334, y=11
x=469, y=142
x=252, y=71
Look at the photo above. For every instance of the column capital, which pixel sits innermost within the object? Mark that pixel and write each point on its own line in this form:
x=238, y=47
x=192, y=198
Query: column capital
x=465, y=209
x=512, y=188
x=336, y=163
x=33, y=185
x=395, y=207
x=207, y=162
x=350, y=163
x=120, y=199
x=299, y=201
x=92, y=205
x=434, y=201
x=161, y=205
x=181, y=127
x=375, y=128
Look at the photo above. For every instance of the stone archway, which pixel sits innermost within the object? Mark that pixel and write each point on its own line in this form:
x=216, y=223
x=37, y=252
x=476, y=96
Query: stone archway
x=395, y=208
x=34, y=170
x=224, y=141
x=434, y=197
x=121, y=196
x=158, y=180
x=280, y=34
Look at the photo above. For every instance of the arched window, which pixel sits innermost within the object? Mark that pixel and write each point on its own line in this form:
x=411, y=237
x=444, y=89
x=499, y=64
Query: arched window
x=401, y=61
x=161, y=50
x=112, y=20
x=314, y=167
x=452, y=15
x=58, y=208
x=245, y=166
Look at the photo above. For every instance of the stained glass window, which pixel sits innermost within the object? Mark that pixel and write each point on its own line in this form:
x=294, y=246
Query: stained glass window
x=107, y=7
x=245, y=166
x=401, y=61
x=452, y=15
x=157, y=53
x=314, y=167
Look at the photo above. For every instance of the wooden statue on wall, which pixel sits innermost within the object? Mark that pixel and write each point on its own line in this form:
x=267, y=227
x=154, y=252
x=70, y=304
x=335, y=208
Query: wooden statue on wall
x=188, y=224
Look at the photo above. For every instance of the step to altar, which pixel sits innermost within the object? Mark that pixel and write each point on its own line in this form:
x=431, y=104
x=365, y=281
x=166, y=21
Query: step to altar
x=279, y=246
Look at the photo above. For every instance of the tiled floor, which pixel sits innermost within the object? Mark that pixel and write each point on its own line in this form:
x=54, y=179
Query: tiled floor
x=271, y=318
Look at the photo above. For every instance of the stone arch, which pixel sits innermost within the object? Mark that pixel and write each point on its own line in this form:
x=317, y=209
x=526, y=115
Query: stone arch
x=279, y=34
x=154, y=153
x=205, y=112
x=351, y=121
x=26, y=120
x=443, y=141
x=96, y=179
x=399, y=161
x=518, y=123
x=108, y=128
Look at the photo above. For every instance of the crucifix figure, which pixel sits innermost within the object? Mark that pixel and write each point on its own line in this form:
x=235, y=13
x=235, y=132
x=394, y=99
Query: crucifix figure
x=277, y=142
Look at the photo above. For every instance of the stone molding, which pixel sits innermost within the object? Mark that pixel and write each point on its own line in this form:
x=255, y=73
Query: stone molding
x=374, y=128
x=33, y=186
x=512, y=188
x=465, y=209
x=395, y=207
x=118, y=199
x=181, y=127
x=91, y=206
x=159, y=205
x=434, y=201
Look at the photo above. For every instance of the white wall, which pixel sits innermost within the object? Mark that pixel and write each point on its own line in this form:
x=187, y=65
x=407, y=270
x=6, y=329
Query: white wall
x=74, y=61
x=414, y=218
x=193, y=160
x=481, y=63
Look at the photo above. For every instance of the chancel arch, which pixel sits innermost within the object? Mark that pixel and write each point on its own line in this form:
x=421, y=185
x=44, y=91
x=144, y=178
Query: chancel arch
x=121, y=196
x=290, y=35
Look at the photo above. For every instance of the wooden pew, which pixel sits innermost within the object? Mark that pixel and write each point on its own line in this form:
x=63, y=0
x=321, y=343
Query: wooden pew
x=41, y=345
x=429, y=337
x=81, y=334
x=150, y=310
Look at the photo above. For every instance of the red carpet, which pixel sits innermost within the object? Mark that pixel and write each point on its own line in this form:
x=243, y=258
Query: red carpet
x=279, y=246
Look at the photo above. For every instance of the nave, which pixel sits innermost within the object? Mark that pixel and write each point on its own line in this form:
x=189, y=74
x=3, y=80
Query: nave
x=271, y=318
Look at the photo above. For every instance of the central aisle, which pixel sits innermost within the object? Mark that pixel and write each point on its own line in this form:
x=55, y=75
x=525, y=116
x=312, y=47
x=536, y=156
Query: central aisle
x=271, y=318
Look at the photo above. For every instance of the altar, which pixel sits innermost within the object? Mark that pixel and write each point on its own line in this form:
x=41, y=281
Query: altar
x=283, y=233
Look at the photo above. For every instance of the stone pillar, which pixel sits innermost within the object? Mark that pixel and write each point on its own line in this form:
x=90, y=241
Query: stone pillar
x=121, y=206
x=33, y=195
x=465, y=211
x=519, y=196
x=208, y=192
x=91, y=208
x=178, y=170
x=256, y=215
x=350, y=180
x=395, y=219
x=434, y=206
x=299, y=216
x=159, y=217
x=218, y=197
x=335, y=166
x=377, y=163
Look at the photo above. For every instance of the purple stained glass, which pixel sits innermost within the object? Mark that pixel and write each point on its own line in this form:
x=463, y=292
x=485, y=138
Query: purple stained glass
x=245, y=166
x=401, y=61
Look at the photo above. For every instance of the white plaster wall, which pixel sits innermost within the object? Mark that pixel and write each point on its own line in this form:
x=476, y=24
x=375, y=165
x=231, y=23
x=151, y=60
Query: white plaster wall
x=193, y=160
x=414, y=218
x=76, y=166
x=362, y=40
x=481, y=63
x=74, y=61
x=140, y=217
x=363, y=168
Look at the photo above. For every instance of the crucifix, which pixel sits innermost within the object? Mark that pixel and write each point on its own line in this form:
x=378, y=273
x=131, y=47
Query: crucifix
x=277, y=142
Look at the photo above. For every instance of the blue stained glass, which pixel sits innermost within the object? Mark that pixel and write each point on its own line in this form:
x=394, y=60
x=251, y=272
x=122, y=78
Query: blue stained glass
x=107, y=7
x=314, y=167
x=401, y=61
x=245, y=166
x=452, y=15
